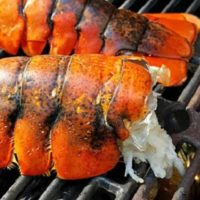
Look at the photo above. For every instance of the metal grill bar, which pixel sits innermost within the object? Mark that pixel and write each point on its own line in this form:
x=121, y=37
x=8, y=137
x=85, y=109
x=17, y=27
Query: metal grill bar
x=17, y=188
x=127, y=4
x=121, y=191
x=100, y=182
x=147, y=7
x=150, y=186
x=172, y=4
x=193, y=7
x=52, y=189
x=190, y=89
x=195, y=100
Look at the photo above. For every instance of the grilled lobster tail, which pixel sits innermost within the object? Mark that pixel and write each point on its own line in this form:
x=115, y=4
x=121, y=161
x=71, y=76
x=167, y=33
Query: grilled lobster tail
x=88, y=26
x=69, y=111
x=96, y=26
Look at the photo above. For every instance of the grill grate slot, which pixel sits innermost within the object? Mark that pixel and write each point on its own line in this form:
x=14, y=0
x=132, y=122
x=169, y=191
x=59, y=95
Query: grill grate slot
x=182, y=6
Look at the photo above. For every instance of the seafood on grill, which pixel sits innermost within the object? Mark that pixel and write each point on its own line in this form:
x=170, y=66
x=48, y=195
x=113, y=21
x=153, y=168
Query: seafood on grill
x=88, y=27
x=79, y=113
x=96, y=26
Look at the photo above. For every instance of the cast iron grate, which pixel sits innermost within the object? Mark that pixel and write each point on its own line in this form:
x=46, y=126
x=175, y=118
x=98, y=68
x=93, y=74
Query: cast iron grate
x=114, y=185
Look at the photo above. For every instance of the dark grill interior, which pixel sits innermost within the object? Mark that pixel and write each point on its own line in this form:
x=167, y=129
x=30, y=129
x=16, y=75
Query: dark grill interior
x=174, y=118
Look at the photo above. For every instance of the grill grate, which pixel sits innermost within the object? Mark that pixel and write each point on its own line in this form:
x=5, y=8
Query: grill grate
x=141, y=6
x=113, y=185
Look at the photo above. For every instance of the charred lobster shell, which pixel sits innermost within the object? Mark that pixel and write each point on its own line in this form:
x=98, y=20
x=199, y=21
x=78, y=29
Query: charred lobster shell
x=82, y=26
x=96, y=26
x=71, y=108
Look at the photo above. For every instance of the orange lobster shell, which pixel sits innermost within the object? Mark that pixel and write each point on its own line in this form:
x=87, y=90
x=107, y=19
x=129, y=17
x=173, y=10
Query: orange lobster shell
x=70, y=111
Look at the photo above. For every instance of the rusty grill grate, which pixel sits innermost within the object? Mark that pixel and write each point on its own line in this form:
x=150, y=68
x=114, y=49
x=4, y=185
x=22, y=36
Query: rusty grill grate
x=175, y=118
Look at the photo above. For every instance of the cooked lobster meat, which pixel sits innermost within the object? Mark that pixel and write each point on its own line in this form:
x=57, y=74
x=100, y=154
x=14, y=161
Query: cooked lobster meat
x=72, y=111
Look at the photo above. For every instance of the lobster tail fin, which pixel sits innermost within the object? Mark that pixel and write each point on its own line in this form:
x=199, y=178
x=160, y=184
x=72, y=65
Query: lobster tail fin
x=11, y=25
x=177, y=69
x=161, y=42
x=177, y=16
x=147, y=37
x=186, y=29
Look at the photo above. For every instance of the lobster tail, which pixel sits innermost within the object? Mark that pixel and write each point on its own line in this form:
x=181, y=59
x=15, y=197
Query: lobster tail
x=90, y=27
x=71, y=109
x=6, y=144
